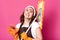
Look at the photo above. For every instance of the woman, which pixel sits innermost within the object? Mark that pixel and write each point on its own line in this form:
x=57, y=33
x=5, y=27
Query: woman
x=26, y=19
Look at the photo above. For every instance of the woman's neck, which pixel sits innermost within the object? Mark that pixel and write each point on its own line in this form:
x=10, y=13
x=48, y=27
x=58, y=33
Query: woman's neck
x=27, y=21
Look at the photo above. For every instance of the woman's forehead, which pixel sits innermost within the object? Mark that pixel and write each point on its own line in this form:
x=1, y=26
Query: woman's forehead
x=29, y=8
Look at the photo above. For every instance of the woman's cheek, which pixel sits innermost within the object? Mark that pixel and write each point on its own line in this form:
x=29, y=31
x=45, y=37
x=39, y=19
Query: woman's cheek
x=25, y=15
x=31, y=15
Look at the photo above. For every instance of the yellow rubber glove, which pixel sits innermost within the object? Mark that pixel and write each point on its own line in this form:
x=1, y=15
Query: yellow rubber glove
x=29, y=38
x=11, y=31
x=25, y=37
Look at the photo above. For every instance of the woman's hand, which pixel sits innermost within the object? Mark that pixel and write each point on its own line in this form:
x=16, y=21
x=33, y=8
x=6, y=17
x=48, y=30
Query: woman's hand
x=25, y=37
x=12, y=30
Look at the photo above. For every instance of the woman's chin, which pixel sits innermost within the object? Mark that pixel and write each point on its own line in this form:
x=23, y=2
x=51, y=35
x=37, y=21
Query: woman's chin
x=28, y=18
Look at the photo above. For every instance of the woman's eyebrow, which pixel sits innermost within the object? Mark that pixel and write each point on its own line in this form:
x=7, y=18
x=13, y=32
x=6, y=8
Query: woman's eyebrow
x=31, y=9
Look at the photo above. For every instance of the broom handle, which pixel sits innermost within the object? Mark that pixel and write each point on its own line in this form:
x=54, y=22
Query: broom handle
x=31, y=24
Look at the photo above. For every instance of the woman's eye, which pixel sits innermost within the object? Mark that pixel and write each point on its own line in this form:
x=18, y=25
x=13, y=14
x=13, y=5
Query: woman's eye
x=31, y=11
x=26, y=10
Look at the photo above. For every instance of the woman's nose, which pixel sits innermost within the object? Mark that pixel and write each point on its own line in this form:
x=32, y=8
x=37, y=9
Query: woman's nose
x=28, y=12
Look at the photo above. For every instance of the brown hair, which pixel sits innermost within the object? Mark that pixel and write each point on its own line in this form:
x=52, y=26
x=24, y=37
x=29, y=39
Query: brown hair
x=22, y=22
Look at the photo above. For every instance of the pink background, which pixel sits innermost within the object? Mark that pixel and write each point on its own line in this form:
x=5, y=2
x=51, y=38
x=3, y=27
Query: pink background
x=10, y=11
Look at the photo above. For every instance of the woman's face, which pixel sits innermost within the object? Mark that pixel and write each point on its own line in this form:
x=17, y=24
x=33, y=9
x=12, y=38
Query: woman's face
x=28, y=13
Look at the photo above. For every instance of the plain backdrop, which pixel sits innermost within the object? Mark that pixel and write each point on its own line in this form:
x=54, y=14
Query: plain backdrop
x=10, y=11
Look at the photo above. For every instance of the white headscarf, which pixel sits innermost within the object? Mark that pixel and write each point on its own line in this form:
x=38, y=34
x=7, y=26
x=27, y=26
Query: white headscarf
x=33, y=9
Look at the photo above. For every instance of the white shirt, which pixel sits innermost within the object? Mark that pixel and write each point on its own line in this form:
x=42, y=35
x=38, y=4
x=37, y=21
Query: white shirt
x=34, y=26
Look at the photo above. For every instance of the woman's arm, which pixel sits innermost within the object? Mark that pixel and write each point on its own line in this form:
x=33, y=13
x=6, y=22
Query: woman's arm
x=12, y=30
x=38, y=34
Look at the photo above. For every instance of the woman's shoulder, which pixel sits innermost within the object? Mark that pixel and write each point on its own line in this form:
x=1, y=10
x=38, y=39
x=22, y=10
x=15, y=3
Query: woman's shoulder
x=35, y=25
x=18, y=25
x=35, y=22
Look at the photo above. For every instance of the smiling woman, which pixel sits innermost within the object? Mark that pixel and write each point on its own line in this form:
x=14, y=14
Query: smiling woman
x=26, y=20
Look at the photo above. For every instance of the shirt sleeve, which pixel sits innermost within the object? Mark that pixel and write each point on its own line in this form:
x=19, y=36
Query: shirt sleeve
x=35, y=25
x=18, y=25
